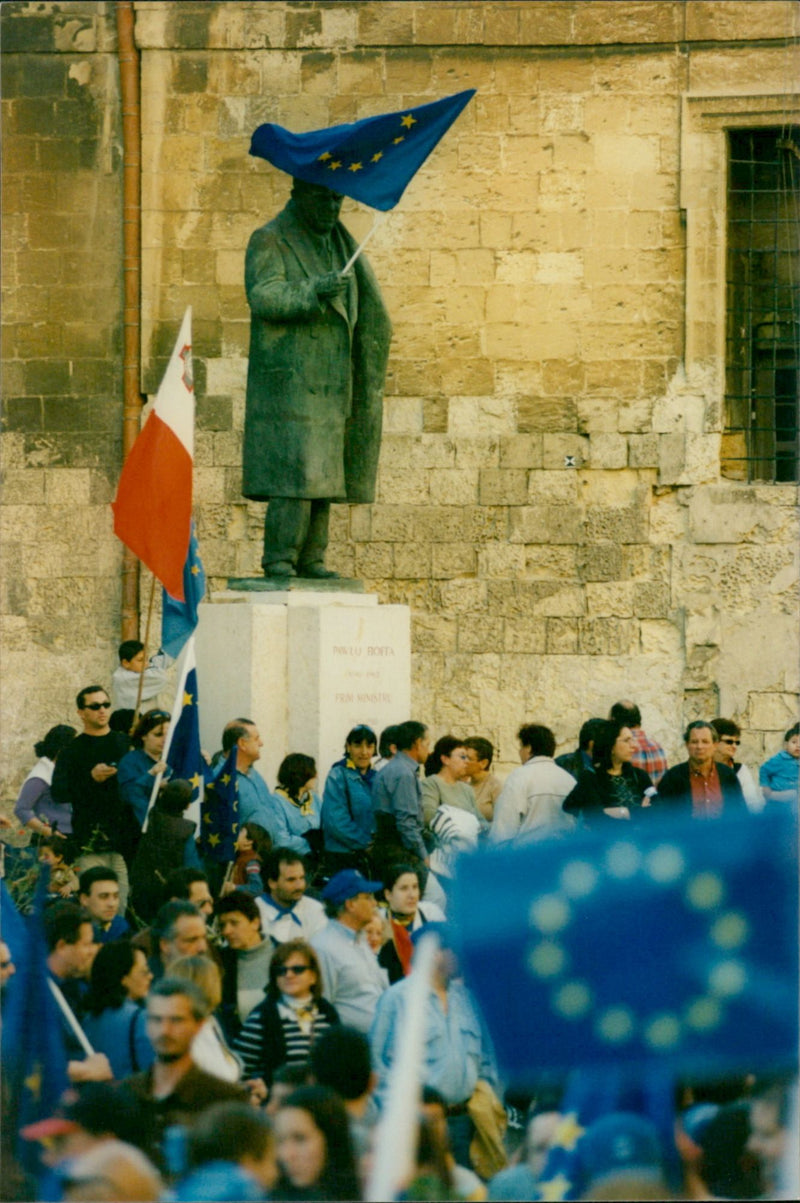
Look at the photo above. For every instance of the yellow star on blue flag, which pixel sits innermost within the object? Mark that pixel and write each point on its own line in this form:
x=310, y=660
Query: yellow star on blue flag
x=179, y=619
x=185, y=757
x=568, y=1131
x=220, y=824
x=555, y=1189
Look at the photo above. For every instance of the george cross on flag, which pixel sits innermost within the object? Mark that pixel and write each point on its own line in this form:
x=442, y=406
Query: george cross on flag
x=671, y=947
x=372, y=160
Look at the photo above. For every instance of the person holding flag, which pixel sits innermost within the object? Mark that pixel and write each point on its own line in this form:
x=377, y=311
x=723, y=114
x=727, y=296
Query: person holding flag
x=319, y=332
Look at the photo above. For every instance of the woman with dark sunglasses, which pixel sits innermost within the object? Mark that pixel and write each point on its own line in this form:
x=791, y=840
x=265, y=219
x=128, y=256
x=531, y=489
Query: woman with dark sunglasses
x=726, y=751
x=282, y=1029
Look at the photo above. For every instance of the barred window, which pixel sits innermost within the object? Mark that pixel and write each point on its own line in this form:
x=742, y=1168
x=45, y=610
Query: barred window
x=763, y=305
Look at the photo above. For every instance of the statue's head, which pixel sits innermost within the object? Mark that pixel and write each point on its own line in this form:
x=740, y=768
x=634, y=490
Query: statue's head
x=318, y=207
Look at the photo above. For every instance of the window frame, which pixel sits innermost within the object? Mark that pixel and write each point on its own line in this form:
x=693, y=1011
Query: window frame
x=705, y=123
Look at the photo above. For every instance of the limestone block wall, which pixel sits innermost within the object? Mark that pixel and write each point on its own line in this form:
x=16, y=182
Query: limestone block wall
x=550, y=501
x=61, y=375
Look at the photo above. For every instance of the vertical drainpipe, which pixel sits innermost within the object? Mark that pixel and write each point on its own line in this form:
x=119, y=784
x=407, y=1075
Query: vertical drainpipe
x=131, y=275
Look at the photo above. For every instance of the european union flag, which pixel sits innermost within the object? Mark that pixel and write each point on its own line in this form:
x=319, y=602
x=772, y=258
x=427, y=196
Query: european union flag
x=33, y=1052
x=184, y=755
x=220, y=822
x=673, y=946
x=371, y=160
x=590, y=1096
x=179, y=619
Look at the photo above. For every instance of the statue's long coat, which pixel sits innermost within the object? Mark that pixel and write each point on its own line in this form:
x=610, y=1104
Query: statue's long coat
x=317, y=369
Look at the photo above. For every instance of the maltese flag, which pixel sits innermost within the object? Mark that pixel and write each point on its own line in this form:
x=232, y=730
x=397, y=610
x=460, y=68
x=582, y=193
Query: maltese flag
x=153, y=507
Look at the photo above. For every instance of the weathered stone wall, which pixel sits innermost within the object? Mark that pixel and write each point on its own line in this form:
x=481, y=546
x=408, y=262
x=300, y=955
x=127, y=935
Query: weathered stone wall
x=555, y=274
x=62, y=401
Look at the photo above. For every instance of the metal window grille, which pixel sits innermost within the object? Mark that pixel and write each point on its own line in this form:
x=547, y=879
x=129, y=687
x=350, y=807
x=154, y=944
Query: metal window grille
x=763, y=318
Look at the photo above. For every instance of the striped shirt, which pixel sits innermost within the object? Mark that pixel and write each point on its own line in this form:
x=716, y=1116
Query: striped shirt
x=298, y=1032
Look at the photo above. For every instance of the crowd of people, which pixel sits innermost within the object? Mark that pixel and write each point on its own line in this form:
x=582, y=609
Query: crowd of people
x=234, y=1026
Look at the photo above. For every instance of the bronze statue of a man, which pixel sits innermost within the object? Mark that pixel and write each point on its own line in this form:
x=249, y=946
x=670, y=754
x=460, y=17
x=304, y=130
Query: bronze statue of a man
x=319, y=343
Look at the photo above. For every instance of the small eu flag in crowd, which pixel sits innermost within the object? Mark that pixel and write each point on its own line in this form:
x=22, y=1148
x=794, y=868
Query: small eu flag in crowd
x=220, y=823
x=179, y=618
x=184, y=755
x=371, y=160
x=672, y=946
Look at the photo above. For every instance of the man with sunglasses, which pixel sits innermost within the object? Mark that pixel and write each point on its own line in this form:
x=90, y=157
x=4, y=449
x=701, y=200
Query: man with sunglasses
x=85, y=778
x=726, y=751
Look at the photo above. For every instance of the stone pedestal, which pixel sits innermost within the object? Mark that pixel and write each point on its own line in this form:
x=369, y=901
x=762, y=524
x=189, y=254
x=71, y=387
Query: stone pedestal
x=305, y=665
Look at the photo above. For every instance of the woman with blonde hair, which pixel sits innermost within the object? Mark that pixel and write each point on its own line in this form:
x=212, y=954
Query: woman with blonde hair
x=210, y=1049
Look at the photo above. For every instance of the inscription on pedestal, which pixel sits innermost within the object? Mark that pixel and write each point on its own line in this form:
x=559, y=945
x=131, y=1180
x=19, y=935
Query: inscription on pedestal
x=305, y=667
x=362, y=658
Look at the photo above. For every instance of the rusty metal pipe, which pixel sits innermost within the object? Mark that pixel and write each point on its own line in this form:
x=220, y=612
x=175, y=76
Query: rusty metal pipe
x=133, y=400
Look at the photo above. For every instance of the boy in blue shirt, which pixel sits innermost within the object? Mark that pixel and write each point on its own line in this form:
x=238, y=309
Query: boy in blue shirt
x=778, y=776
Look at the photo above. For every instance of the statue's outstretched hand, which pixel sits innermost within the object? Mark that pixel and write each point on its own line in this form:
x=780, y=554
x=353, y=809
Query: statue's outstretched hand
x=331, y=285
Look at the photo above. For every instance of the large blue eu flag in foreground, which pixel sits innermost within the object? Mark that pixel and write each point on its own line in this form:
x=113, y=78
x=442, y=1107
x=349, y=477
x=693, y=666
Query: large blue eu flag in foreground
x=371, y=160
x=33, y=1052
x=672, y=947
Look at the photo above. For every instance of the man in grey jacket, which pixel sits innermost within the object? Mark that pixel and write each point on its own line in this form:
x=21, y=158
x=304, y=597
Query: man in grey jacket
x=398, y=799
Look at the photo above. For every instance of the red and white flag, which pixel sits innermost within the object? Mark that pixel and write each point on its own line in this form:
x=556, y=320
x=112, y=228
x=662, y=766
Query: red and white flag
x=153, y=507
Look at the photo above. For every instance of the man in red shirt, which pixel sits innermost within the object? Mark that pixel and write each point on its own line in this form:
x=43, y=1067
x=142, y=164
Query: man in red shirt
x=700, y=784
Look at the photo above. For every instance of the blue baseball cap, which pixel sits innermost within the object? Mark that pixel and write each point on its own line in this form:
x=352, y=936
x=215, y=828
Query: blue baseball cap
x=346, y=884
x=620, y=1143
x=438, y=929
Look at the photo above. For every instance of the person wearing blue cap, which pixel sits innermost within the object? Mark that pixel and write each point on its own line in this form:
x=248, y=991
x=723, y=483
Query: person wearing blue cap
x=620, y=1154
x=352, y=979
